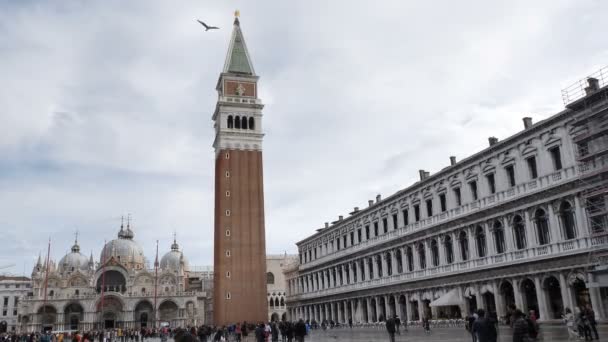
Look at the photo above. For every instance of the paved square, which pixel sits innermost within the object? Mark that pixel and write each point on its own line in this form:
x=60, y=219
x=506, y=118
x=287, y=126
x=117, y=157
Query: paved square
x=548, y=333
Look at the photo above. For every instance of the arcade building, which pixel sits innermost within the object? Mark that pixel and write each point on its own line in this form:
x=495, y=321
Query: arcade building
x=119, y=290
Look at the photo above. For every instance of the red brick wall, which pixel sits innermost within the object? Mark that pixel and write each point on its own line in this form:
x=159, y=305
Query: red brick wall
x=247, y=263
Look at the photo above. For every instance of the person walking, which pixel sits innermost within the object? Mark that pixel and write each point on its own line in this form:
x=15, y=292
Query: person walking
x=390, y=328
x=592, y=321
x=520, y=327
x=397, y=324
x=568, y=318
x=484, y=328
x=582, y=321
x=300, y=331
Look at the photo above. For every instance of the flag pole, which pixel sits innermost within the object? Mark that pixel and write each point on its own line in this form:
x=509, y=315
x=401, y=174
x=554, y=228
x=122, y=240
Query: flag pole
x=155, y=282
x=103, y=281
x=46, y=276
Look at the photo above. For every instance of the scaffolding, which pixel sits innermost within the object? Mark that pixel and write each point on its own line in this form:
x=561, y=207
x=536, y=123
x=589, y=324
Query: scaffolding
x=588, y=99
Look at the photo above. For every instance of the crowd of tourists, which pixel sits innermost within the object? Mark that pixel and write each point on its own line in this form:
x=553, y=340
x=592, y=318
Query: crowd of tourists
x=261, y=332
x=482, y=325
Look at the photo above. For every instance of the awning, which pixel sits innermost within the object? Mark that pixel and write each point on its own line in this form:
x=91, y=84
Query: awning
x=448, y=299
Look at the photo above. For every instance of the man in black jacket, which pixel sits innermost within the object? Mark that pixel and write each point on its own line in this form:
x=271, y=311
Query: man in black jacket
x=300, y=331
x=484, y=328
x=390, y=328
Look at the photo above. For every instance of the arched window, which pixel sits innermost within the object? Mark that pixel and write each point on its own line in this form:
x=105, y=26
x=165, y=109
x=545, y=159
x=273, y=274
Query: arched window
x=499, y=237
x=410, y=259
x=251, y=123
x=271, y=302
x=464, y=245
x=362, y=263
x=379, y=265
x=143, y=290
x=519, y=229
x=434, y=253
x=230, y=122
x=389, y=264
x=51, y=293
x=282, y=301
x=449, y=249
x=269, y=278
x=422, y=256
x=566, y=214
x=237, y=122
x=542, y=227
x=354, y=266
x=244, y=123
x=399, y=258
x=480, y=237
x=276, y=302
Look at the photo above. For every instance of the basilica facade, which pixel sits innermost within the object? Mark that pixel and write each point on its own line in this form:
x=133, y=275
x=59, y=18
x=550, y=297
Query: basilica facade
x=521, y=223
x=117, y=290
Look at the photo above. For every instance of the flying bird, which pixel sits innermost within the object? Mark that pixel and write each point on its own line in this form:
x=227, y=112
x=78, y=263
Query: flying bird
x=207, y=27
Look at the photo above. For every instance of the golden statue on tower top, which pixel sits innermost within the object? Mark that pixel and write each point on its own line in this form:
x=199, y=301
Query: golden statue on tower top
x=237, y=13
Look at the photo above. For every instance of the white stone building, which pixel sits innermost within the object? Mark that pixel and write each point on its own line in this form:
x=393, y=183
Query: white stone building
x=119, y=291
x=276, y=284
x=522, y=222
x=12, y=289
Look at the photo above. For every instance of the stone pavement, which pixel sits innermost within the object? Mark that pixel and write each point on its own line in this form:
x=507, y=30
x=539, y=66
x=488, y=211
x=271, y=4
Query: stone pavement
x=548, y=333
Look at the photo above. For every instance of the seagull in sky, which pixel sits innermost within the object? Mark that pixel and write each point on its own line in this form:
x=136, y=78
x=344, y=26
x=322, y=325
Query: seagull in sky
x=207, y=27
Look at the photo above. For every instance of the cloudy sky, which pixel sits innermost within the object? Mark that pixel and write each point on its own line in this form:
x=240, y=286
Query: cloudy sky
x=105, y=108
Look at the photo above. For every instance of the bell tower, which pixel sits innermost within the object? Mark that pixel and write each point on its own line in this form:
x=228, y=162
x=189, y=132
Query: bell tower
x=239, y=241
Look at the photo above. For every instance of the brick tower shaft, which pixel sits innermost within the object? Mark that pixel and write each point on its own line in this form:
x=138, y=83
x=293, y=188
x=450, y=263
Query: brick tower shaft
x=239, y=234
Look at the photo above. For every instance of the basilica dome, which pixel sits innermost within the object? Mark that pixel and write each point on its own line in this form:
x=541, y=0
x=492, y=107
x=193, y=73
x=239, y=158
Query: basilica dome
x=124, y=249
x=74, y=260
x=173, y=259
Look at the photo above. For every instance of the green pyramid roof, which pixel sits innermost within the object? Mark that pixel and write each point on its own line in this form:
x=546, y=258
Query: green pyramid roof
x=238, y=60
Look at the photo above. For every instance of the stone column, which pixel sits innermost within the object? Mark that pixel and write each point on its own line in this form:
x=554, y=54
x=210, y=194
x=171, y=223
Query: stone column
x=541, y=298
x=498, y=299
x=421, y=311
x=554, y=225
x=596, y=299
x=428, y=254
x=375, y=266
x=519, y=301
x=408, y=308
x=397, y=306
x=441, y=248
x=384, y=262
x=378, y=311
x=581, y=219
x=366, y=268
x=563, y=287
x=359, y=270
x=394, y=261
x=456, y=248
x=531, y=237
x=490, y=246
x=509, y=237
x=368, y=307
x=416, y=258
x=387, y=307
x=343, y=275
x=351, y=272
x=403, y=260
x=472, y=243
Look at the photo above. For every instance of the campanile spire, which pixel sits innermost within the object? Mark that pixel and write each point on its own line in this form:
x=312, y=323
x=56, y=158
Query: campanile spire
x=239, y=233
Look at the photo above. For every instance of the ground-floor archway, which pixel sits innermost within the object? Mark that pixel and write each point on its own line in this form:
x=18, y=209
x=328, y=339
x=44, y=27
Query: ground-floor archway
x=489, y=301
x=374, y=313
x=553, y=297
x=73, y=315
x=144, y=314
x=508, y=294
x=528, y=291
x=403, y=307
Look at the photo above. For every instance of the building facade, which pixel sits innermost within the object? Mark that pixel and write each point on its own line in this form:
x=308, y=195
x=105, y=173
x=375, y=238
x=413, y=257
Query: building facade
x=12, y=289
x=120, y=290
x=239, y=241
x=521, y=223
x=276, y=285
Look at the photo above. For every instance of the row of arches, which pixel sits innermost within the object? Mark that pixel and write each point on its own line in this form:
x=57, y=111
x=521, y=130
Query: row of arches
x=477, y=241
x=112, y=313
x=548, y=296
x=240, y=122
x=276, y=302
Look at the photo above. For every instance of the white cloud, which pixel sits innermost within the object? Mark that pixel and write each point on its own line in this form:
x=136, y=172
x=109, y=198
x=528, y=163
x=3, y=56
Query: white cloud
x=106, y=107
